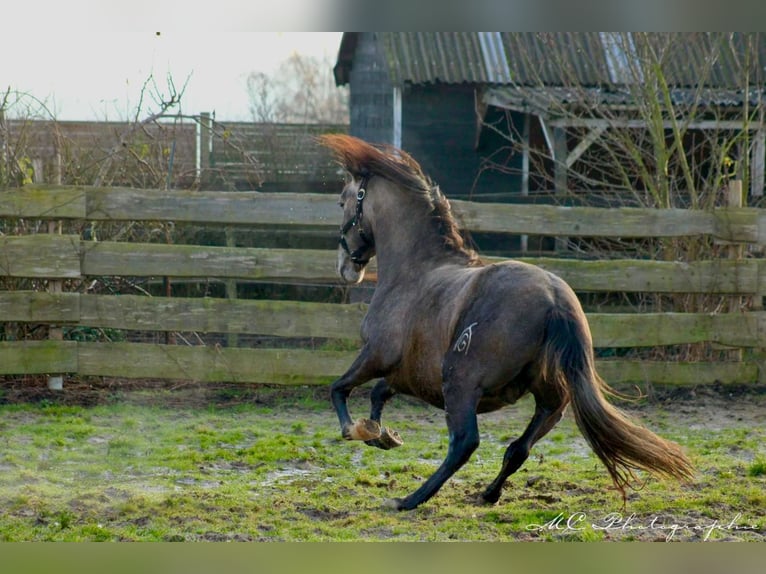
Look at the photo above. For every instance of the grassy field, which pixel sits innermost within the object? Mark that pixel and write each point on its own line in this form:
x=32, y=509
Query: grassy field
x=237, y=463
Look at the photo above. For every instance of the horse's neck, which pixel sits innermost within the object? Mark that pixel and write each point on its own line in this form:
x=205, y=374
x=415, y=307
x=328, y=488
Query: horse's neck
x=406, y=242
x=405, y=258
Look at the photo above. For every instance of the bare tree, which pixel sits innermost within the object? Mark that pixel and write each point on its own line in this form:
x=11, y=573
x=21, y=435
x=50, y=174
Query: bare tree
x=302, y=90
x=164, y=102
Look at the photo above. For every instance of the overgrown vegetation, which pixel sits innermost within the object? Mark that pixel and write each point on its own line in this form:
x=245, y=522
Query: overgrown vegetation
x=254, y=463
x=676, y=122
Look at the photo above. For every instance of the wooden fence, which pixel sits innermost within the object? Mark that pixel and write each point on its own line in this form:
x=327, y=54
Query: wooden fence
x=46, y=259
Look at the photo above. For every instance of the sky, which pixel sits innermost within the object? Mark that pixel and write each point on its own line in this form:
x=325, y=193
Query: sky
x=99, y=75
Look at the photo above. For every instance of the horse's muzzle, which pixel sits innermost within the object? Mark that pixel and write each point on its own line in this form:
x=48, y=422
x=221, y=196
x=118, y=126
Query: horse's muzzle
x=351, y=272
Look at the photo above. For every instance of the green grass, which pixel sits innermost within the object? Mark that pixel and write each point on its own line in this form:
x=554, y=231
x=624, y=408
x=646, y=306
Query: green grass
x=274, y=467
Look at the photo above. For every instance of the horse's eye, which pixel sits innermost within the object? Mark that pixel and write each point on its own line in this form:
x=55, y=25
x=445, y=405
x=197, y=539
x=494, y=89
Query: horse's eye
x=342, y=204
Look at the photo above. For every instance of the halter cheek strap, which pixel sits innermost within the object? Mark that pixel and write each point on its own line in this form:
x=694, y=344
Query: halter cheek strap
x=357, y=256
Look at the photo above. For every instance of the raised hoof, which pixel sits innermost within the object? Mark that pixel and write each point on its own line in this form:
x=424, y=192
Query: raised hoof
x=387, y=440
x=362, y=429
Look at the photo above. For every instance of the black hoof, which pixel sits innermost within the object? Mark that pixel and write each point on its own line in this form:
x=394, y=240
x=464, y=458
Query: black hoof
x=489, y=497
x=398, y=504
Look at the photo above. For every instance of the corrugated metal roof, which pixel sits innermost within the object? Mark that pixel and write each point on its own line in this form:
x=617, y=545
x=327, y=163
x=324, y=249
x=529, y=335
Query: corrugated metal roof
x=570, y=58
x=429, y=57
x=495, y=59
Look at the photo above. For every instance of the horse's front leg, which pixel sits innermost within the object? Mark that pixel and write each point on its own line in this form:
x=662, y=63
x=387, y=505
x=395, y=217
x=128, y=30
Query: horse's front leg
x=361, y=371
x=379, y=396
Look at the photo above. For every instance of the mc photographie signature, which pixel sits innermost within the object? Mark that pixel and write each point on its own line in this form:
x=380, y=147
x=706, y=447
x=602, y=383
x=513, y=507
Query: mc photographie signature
x=614, y=522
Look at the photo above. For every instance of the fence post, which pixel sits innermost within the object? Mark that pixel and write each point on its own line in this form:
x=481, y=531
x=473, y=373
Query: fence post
x=524, y=239
x=55, y=332
x=561, y=186
x=3, y=160
x=205, y=141
x=232, y=339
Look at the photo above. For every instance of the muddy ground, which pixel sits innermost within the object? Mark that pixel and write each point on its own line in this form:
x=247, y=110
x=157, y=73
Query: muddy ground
x=731, y=418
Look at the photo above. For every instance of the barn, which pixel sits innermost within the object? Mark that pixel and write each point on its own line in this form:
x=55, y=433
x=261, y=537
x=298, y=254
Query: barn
x=521, y=117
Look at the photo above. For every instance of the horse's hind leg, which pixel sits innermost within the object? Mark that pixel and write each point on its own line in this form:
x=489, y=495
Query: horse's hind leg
x=547, y=414
x=463, y=441
x=379, y=396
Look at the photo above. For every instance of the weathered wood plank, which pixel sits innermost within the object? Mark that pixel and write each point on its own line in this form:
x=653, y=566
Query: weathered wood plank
x=212, y=364
x=148, y=260
x=584, y=221
x=675, y=373
x=329, y=320
x=279, y=366
x=320, y=209
x=656, y=329
x=637, y=275
x=37, y=357
x=39, y=307
x=47, y=256
x=742, y=224
x=153, y=259
x=230, y=208
x=303, y=319
x=59, y=257
x=208, y=315
x=43, y=202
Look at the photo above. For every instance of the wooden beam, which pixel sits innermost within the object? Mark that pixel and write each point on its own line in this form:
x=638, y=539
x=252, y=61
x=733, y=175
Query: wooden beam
x=677, y=374
x=622, y=330
x=320, y=211
x=293, y=366
x=39, y=307
x=38, y=357
x=48, y=256
x=233, y=208
x=44, y=202
x=212, y=364
x=210, y=315
x=45, y=256
x=584, y=144
x=591, y=123
x=336, y=321
x=594, y=221
x=758, y=164
x=721, y=276
x=162, y=260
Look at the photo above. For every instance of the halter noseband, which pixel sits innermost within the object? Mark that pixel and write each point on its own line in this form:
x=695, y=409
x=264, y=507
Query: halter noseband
x=357, y=255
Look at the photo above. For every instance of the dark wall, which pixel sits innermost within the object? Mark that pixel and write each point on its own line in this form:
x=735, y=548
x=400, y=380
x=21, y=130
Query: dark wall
x=371, y=93
x=439, y=129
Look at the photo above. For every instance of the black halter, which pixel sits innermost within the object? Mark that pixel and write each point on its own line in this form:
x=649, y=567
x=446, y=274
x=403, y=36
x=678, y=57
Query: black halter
x=357, y=255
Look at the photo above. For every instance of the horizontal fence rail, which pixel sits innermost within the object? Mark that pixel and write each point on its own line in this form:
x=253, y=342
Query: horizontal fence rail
x=290, y=366
x=746, y=225
x=50, y=257
x=67, y=256
x=330, y=320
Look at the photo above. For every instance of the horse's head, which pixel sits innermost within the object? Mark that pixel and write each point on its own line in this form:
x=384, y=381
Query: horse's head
x=356, y=245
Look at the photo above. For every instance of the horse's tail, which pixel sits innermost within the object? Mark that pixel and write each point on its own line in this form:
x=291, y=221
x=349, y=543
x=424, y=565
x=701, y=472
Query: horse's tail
x=622, y=445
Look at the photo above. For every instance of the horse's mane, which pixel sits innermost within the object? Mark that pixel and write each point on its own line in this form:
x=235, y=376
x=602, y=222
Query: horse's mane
x=360, y=159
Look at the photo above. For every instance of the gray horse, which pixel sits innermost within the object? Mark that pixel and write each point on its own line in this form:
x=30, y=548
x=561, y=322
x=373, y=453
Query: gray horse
x=467, y=337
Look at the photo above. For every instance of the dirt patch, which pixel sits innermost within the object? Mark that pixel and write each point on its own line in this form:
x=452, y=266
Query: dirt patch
x=188, y=394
